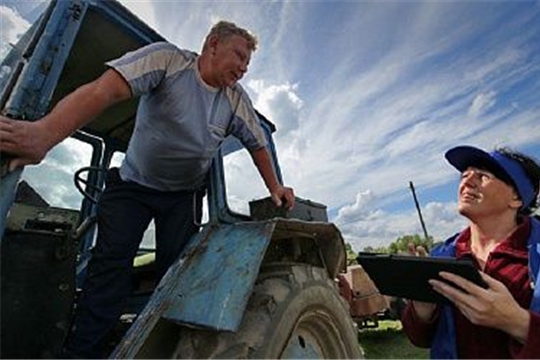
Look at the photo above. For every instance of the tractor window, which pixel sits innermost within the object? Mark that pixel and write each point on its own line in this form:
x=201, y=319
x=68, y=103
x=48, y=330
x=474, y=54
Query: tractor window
x=117, y=159
x=243, y=182
x=52, y=180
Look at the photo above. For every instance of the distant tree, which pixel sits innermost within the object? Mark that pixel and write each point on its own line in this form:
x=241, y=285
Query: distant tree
x=380, y=249
x=402, y=243
x=369, y=249
x=351, y=255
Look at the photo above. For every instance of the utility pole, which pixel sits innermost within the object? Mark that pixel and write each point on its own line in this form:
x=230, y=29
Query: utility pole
x=411, y=185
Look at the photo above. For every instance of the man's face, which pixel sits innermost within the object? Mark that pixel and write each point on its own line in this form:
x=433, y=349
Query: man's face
x=230, y=59
x=481, y=194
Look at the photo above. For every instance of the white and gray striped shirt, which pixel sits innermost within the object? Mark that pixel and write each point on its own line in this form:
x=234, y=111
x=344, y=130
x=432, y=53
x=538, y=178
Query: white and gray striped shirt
x=181, y=121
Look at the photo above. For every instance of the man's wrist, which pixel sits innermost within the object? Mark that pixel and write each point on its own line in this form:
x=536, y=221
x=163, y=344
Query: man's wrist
x=274, y=188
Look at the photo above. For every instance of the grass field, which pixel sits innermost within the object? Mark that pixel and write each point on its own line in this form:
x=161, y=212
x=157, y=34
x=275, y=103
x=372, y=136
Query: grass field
x=388, y=341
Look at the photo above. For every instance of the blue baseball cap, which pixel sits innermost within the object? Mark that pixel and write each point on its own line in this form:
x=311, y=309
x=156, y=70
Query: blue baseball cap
x=504, y=167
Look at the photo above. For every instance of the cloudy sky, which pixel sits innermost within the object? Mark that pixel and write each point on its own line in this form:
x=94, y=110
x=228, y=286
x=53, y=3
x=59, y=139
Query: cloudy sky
x=367, y=96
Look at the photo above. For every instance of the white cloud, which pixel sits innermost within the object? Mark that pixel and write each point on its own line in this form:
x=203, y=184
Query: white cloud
x=280, y=103
x=12, y=26
x=57, y=186
x=482, y=103
x=358, y=210
x=375, y=102
x=391, y=121
x=379, y=228
x=243, y=182
x=145, y=10
x=442, y=219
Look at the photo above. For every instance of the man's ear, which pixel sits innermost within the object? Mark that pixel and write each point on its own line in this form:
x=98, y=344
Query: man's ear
x=212, y=44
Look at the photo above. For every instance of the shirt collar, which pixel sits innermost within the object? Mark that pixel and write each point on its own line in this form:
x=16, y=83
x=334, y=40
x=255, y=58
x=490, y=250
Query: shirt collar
x=515, y=244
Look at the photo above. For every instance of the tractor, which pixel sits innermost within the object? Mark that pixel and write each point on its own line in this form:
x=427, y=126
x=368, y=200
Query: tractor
x=255, y=285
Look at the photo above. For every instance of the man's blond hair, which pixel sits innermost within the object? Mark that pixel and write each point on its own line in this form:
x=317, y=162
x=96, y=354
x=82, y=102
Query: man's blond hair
x=224, y=29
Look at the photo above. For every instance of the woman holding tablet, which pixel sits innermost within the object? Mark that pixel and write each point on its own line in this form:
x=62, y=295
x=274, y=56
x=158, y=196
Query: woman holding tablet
x=497, y=193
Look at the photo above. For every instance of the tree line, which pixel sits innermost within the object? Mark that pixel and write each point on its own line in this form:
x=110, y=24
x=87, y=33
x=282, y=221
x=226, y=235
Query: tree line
x=401, y=245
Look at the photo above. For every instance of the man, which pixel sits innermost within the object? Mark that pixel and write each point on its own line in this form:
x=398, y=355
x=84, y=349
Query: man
x=188, y=104
x=497, y=193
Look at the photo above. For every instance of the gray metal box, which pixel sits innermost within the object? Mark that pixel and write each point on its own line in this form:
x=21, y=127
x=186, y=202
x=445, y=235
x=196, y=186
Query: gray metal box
x=41, y=218
x=307, y=210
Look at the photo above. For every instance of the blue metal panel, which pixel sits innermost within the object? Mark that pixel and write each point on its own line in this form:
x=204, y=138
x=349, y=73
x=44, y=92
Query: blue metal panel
x=215, y=287
x=40, y=76
x=212, y=279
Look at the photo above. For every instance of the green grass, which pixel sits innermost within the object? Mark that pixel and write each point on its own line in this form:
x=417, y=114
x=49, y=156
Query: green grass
x=388, y=341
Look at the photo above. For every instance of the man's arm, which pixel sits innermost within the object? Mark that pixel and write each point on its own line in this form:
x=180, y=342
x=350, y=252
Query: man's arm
x=30, y=141
x=278, y=192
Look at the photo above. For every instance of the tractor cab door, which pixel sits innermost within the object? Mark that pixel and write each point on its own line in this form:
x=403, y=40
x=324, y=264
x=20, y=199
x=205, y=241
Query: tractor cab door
x=42, y=241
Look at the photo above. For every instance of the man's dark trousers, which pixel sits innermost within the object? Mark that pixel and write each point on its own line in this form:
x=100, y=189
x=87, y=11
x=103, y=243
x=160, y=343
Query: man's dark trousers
x=124, y=212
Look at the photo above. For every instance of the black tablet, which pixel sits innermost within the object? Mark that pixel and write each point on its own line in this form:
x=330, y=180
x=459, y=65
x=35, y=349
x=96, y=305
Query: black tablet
x=407, y=276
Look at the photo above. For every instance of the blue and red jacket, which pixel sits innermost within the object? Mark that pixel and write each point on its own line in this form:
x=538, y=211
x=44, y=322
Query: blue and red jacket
x=444, y=341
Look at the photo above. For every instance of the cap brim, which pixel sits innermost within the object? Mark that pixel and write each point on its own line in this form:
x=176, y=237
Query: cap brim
x=461, y=157
x=503, y=167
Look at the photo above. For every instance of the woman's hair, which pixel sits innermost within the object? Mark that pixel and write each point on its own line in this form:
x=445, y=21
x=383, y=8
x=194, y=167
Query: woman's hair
x=532, y=169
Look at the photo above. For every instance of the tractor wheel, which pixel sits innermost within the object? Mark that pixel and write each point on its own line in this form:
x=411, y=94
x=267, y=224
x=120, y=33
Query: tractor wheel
x=295, y=311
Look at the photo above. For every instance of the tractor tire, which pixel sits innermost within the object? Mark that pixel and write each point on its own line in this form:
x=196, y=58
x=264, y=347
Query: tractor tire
x=295, y=311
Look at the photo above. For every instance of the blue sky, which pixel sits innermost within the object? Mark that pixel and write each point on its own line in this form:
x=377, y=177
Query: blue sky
x=368, y=95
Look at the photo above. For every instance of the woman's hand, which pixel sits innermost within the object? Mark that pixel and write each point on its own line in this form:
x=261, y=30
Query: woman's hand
x=493, y=307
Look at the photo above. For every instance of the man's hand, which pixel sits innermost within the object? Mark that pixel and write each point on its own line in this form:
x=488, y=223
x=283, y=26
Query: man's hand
x=24, y=140
x=280, y=193
x=493, y=307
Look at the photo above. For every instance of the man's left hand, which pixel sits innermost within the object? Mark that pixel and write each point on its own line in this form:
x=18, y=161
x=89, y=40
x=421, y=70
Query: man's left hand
x=282, y=193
